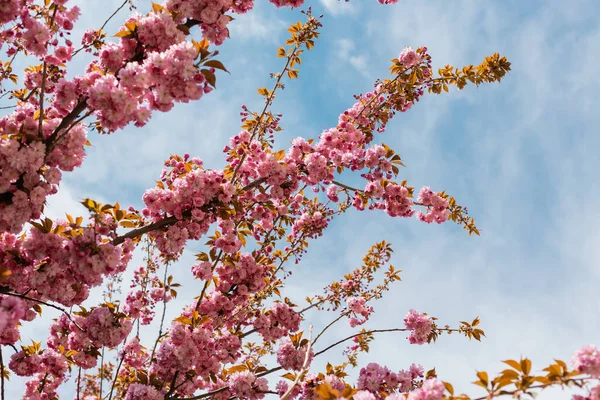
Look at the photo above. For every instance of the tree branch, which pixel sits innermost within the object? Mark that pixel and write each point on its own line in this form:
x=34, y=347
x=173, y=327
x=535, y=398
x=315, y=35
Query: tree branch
x=168, y=221
x=46, y=304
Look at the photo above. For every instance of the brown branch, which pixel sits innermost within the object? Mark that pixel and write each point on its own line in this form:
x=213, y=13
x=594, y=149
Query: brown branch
x=78, y=109
x=163, y=223
x=46, y=304
x=359, y=334
x=79, y=384
x=347, y=187
x=101, y=373
x=164, y=312
x=112, y=387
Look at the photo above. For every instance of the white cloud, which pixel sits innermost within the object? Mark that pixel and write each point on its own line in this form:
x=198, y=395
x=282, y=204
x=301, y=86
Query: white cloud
x=347, y=53
x=339, y=7
x=256, y=26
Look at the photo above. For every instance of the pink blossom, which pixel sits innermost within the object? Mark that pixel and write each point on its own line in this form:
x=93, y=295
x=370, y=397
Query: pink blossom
x=587, y=360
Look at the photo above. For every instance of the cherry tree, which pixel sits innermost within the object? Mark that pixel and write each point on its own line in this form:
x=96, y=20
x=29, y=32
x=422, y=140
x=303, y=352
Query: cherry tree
x=240, y=336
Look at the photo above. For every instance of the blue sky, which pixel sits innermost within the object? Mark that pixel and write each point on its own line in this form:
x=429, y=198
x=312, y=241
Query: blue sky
x=522, y=156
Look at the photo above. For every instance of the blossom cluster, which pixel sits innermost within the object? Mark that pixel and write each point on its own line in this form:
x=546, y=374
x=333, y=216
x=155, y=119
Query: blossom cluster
x=195, y=350
x=30, y=164
x=47, y=366
x=104, y=329
x=60, y=268
x=357, y=306
x=377, y=379
x=12, y=311
x=191, y=192
x=587, y=360
x=420, y=326
x=292, y=358
x=438, y=207
x=72, y=340
x=277, y=322
x=247, y=386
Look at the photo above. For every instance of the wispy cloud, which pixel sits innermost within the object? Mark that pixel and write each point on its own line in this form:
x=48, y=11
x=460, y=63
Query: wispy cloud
x=339, y=7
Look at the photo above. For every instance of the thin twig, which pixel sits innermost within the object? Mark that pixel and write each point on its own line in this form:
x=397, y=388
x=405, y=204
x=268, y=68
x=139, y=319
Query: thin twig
x=112, y=387
x=43, y=86
x=79, y=384
x=164, y=311
x=101, y=372
x=113, y=14
x=346, y=186
x=103, y=25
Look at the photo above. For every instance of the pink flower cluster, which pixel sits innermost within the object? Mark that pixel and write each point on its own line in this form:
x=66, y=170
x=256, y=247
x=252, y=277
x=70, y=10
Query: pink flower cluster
x=244, y=276
x=246, y=385
x=70, y=335
x=194, y=349
x=291, y=358
x=12, y=311
x=158, y=31
x=60, y=269
x=9, y=10
x=85, y=334
x=438, y=207
x=48, y=367
x=432, y=389
x=162, y=79
x=138, y=391
x=202, y=271
x=183, y=191
x=409, y=57
x=287, y=3
x=277, y=322
x=358, y=307
x=376, y=378
x=29, y=170
x=395, y=199
x=28, y=364
x=211, y=14
x=587, y=360
x=105, y=329
x=420, y=326
x=311, y=225
x=32, y=32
